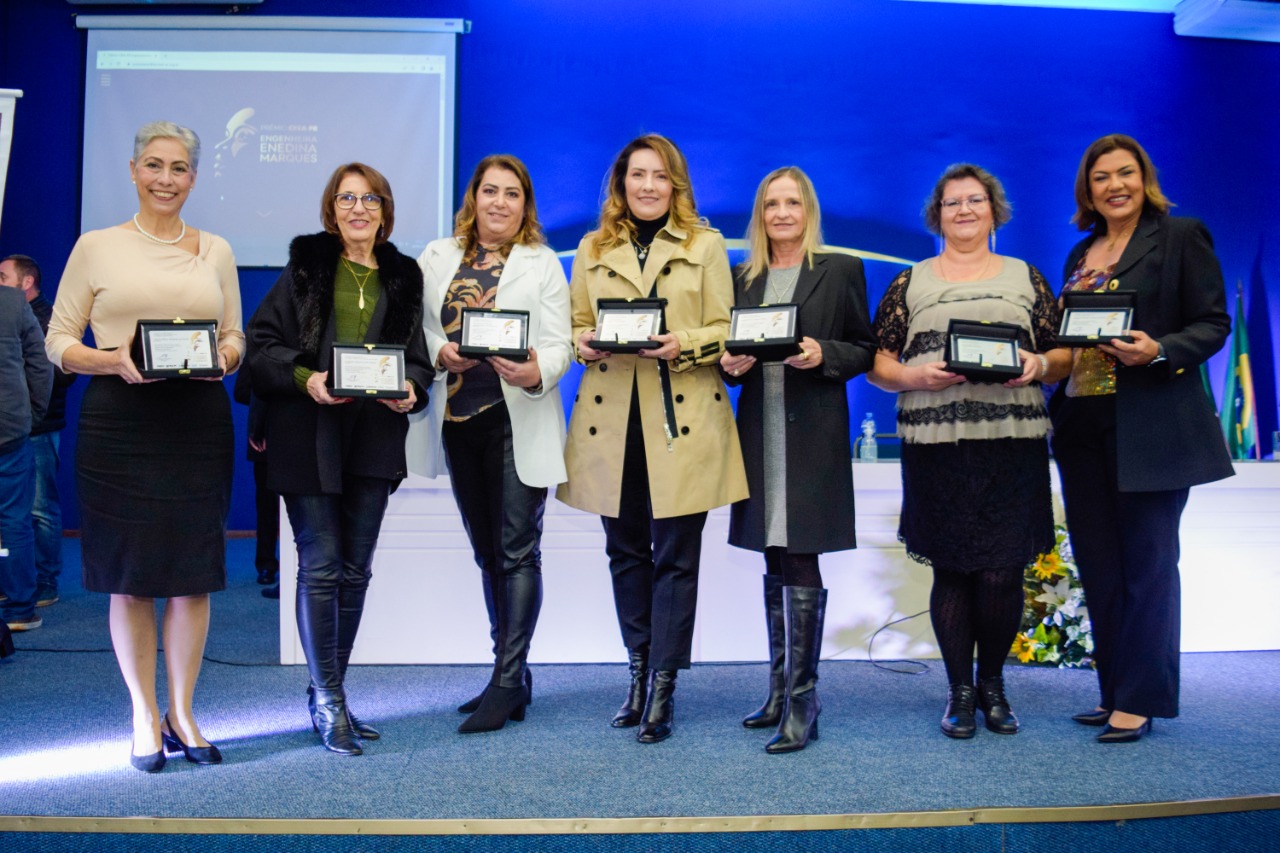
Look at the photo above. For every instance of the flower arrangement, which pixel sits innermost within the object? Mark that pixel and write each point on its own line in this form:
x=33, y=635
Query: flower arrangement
x=1055, y=621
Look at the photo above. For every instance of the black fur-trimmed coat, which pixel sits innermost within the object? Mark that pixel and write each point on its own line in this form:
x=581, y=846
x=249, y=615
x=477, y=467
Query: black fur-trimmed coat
x=309, y=446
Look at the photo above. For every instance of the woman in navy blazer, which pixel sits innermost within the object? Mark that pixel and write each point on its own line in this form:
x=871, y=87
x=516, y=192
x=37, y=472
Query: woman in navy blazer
x=1134, y=429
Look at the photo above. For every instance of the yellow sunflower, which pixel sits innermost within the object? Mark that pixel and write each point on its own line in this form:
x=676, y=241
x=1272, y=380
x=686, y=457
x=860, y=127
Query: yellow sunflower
x=1047, y=566
x=1024, y=647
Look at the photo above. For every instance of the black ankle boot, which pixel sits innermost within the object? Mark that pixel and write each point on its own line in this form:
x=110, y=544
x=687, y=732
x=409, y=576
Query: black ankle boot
x=632, y=709
x=333, y=724
x=958, y=720
x=769, y=714
x=805, y=609
x=659, y=710
x=995, y=707
x=498, y=705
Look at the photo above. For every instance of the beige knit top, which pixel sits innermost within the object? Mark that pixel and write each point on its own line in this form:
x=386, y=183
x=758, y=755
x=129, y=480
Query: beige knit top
x=116, y=277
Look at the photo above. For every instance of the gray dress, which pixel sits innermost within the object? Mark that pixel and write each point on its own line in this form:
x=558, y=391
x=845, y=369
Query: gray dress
x=780, y=287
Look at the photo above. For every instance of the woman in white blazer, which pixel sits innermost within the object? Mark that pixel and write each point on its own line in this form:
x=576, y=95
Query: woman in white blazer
x=497, y=423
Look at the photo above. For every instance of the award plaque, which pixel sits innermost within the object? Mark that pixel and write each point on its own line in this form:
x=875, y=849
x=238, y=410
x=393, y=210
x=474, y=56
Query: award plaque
x=767, y=332
x=494, y=331
x=983, y=351
x=176, y=349
x=1090, y=318
x=368, y=370
x=624, y=325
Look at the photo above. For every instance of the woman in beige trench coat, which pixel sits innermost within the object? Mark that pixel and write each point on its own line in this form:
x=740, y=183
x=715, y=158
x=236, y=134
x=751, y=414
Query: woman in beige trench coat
x=652, y=445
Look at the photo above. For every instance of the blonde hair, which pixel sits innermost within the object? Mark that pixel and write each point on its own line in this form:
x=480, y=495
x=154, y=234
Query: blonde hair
x=1088, y=219
x=464, y=224
x=758, y=247
x=616, y=228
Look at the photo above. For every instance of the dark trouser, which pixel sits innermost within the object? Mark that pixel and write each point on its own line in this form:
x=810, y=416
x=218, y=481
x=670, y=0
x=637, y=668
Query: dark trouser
x=335, y=536
x=1126, y=547
x=503, y=518
x=18, y=570
x=46, y=514
x=268, y=508
x=654, y=563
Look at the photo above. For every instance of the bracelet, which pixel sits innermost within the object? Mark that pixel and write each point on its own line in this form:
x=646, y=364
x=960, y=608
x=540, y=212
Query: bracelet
x=1044, y=364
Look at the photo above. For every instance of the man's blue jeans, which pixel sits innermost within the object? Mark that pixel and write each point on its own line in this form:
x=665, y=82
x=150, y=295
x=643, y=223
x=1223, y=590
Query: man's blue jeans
x=46, y=515
x=18, y=570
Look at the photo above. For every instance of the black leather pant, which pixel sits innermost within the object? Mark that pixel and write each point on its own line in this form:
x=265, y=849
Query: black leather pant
x=336, y=536
x=503, y=519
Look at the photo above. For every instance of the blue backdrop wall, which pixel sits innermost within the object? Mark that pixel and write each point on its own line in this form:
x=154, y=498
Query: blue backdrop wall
x=873, y=99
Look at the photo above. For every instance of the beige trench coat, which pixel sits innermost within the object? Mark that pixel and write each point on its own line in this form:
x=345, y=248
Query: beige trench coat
x=701, y=468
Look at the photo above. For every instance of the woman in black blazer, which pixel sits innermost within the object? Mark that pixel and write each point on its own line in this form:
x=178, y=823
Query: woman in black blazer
x=793, y=422
x=336, y=460
x=1134, y=429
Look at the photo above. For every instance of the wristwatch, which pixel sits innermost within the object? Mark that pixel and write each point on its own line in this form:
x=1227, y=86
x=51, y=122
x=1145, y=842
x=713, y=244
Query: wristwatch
x=1160, y=356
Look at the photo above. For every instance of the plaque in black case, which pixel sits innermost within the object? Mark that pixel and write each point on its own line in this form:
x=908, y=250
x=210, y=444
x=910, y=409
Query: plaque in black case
x=1092, y=317
x=495, y=331
x=368, y=370
x=767, y=332
x=176, y=349
x=983, y=351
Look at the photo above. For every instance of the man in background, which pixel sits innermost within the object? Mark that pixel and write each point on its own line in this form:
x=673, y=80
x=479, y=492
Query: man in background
x=23, y=273
x=26, y=379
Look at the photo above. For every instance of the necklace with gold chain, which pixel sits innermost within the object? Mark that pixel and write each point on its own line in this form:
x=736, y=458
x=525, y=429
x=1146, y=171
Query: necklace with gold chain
x=359, y=283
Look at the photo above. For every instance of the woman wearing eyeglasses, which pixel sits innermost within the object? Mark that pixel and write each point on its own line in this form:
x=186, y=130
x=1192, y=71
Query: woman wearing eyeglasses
x=335, y=460
x=975, y=463
x=498, y=423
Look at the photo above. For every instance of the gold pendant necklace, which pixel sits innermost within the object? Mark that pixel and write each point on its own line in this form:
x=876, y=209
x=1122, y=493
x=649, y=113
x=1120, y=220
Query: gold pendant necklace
x=359, y=284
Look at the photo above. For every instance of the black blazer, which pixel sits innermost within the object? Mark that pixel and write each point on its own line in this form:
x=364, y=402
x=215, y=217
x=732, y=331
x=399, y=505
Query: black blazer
x=1167, y=432
x=833, y=311
x=310, y=447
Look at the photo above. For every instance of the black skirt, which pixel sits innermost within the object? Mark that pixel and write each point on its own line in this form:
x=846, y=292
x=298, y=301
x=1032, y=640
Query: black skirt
x=153, y=469
x=977, y=505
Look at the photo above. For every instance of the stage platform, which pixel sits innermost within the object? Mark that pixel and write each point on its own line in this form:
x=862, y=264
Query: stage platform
x=882, y=776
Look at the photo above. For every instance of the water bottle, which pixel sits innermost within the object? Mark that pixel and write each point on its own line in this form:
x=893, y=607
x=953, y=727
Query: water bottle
x=867, y=449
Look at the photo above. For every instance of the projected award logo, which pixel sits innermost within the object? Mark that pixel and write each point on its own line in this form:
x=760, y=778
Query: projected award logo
x=239, y=134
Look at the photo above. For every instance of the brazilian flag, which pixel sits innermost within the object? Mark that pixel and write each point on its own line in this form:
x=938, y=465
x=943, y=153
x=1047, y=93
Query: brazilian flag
x=1239, y=416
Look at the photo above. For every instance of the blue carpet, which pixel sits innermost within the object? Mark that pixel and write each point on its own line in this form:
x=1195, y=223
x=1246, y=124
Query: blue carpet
x=65, y=738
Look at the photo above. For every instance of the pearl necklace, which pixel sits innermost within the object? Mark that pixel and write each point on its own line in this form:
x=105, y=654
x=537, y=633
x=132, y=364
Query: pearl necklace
x=154, y=238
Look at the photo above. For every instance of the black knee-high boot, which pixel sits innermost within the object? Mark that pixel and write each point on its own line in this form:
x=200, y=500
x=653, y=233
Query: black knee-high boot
x=507, y=694
x=769, y=714
x=350, y=610
x=806, y=610
x=317, y=615
x=486, y=581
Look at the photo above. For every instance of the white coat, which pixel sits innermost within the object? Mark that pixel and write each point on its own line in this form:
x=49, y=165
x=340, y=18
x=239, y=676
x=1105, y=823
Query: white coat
x=532, y=280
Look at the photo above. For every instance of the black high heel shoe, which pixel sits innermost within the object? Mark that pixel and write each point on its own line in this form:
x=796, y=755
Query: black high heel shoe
x=1114, y=734
x=195, y=754
x=1092, y=718
x=152, y=763
x=498, y=705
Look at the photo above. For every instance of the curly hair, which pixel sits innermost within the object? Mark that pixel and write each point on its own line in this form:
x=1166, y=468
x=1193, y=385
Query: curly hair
x=615, y=228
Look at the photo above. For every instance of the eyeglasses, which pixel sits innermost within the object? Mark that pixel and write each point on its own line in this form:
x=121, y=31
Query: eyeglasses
x=346, y=201
x=974, y=202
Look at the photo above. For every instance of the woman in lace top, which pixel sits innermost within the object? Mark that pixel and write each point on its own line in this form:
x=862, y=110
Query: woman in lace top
x=975, y=465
